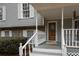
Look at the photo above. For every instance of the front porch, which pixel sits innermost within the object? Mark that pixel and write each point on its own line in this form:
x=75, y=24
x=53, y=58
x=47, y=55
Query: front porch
x=65, y=37
x=47, y=49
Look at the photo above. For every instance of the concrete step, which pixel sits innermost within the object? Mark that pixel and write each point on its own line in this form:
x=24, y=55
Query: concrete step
x=46, y=52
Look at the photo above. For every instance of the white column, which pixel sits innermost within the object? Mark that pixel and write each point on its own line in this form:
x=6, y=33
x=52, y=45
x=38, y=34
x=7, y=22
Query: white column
x=2, y=33
x=36, y=40
x=62, y=34
x=73, y=24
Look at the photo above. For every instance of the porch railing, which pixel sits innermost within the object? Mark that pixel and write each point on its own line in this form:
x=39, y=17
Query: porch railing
x=41, y=37
x=23, y=50
x=71, y=37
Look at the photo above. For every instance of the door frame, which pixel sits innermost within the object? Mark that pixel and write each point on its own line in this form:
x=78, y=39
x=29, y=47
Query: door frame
x=48, y=29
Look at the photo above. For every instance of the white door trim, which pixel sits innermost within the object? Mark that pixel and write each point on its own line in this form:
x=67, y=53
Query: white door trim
x=48, y=29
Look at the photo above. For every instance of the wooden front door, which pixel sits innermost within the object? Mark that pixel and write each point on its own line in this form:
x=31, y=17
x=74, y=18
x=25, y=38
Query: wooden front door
x=52, y=31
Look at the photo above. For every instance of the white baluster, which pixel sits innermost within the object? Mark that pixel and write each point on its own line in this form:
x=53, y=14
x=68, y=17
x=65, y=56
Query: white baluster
x=20, y=50
x=66, y=37
x=72, y=37
x=76, y=39
x=25, y=51
x=69, y=37
x=29, y=49
x=32, y=43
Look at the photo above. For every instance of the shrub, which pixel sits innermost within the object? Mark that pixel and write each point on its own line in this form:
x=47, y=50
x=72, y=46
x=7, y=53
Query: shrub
x=10, y=45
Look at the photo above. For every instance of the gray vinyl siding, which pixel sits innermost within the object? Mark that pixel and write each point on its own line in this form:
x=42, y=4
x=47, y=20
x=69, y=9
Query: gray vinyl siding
x=68, y=23
x=12, y=17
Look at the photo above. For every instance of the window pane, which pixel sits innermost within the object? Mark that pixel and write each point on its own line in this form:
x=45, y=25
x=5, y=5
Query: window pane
x=17, y=33
x=29, y=33
x=25, y=13
x=6, y=33
x=25, y=10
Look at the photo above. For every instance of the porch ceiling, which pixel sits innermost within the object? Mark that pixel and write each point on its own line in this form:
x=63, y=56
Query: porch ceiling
x=53, y=10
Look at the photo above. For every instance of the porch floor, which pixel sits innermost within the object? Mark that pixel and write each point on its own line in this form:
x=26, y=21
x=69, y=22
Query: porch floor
x=49, y=45
x=47, y=49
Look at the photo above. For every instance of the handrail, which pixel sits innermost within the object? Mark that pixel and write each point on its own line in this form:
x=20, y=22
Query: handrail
x=71, y=29
x=28, y=41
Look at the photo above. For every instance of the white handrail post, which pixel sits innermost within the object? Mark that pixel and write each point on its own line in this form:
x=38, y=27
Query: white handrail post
x=62, y=34
x=29, y=49
x=25, y=51
x=20, y=50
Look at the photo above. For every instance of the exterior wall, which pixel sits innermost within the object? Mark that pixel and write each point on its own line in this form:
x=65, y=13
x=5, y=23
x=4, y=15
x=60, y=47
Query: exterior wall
x=24, y=31
x=68, y=23
x=12, y=17
x=41, y=37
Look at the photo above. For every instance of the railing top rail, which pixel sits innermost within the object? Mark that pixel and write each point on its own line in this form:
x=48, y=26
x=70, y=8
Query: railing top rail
x=73, y=46
x=28, y=41
x=71, y=29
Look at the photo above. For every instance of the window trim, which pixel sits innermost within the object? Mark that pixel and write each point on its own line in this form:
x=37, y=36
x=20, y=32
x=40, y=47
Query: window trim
x=4, y=13
x=20, y=11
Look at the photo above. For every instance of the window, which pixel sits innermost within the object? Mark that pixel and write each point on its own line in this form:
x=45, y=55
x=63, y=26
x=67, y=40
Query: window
x=25, y=10
x=17, y=33
x=29, y=33
x=6, y=33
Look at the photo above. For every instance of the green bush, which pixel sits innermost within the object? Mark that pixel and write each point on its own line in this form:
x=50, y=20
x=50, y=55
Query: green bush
x=10, y=46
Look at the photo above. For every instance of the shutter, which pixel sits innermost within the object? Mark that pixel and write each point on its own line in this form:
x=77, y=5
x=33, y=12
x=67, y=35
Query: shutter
x=31, y=10
x=24, y=33
x=10, y=33
x=2, y=33
x=20, y=11
x=4, y=13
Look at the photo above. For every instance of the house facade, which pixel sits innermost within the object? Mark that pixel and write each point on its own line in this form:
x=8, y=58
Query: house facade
x=56, y=26
x=17, y=20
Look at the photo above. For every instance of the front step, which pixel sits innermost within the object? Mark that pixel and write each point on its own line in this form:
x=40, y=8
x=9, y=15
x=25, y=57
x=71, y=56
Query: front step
x=46, y=52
